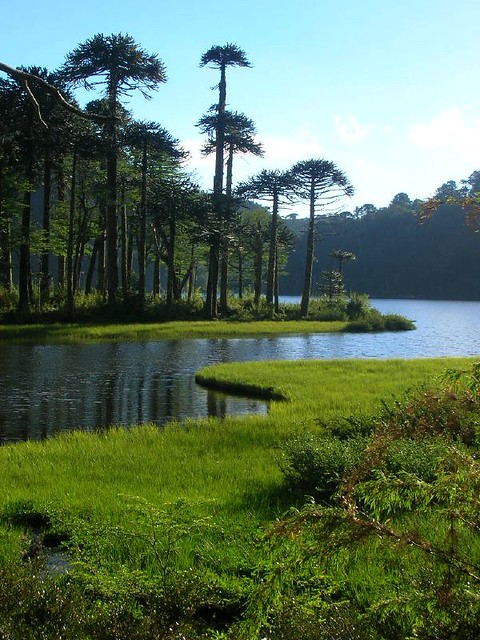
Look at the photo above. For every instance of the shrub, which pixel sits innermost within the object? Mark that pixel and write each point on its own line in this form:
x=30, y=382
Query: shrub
x=316, y=464
x=401, y=545
x=357, y=306
x=418, y=458
x=373, y=320
x=395, y=322
x=8, y=299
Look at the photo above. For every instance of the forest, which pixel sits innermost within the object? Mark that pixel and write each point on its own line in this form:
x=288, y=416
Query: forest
x=96, y=203
x=397, y=252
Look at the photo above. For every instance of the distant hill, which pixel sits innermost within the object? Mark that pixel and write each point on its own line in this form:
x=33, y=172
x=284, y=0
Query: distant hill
x=397, y=256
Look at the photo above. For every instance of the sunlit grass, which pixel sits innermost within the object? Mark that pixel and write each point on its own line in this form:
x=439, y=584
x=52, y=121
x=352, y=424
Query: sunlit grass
x=74, y=333
x=227, y=471
x=324, y=389
x=205, y=458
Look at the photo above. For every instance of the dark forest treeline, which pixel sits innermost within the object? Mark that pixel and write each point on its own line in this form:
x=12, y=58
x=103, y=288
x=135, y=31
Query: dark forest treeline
x=398, y=253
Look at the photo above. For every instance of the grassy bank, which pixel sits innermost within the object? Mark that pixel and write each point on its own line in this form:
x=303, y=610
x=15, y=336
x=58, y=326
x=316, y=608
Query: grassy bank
x=179, y=510
x=74, y=333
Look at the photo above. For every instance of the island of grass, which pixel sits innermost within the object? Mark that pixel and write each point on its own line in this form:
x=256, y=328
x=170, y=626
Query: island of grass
x=165, y=528
x=66, y=333
x=186, y=320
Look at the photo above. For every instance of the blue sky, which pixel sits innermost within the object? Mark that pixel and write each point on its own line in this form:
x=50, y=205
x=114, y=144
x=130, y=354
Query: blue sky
x=387, y=89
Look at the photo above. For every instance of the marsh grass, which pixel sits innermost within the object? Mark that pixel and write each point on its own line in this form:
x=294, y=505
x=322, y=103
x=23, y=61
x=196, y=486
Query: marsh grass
x=222, y=462
x=222, y=477
x=75, y=333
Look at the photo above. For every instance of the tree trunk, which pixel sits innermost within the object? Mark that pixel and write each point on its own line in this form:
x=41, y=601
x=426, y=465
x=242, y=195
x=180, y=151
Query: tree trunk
x=171, y=261
x=276, y=285
x=225, y=243
x=156, y=277
x=45, y=260
x=111, y=228
x=124, y=253
x=61, y=198
x=130, y=246
x=223, y=278
x=211, y=304
x=101, y=275
x=111, y=213
x=212, y=283
x=71, y=230
x=258, y=268
x=272, y=253
x=91, y=266
x=220, y=134
x=240, y=274
x=143, y=229
x=6, y=278
x=307, y=281
x=24, y=258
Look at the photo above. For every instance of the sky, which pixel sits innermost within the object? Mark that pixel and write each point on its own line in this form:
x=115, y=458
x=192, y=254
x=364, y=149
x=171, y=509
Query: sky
x=388, y=90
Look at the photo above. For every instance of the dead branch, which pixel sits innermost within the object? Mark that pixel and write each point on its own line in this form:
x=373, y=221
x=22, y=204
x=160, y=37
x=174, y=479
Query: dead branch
x=24, y=78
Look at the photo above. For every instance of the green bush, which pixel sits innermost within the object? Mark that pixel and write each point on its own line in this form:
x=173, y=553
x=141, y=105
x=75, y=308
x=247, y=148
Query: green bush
x=395, y=322
x=420, y=458
x=316, y=465
x=373, y=320
x=402, y=546
x=357, y=306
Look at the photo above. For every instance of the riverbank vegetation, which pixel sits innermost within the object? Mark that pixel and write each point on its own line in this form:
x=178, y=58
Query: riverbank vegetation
x=97, y=321
x=187, y=532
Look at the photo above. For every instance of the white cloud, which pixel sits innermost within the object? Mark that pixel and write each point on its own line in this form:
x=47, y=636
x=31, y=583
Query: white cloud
x=280, y=153
x=350, y=129
x=453, y=131
x=283, y=152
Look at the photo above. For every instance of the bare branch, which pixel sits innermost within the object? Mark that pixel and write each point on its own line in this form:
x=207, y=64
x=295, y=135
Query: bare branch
x=23, y=77
x=35, y=102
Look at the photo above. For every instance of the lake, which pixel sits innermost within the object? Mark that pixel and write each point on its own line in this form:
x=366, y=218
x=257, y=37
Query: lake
x=48, y=388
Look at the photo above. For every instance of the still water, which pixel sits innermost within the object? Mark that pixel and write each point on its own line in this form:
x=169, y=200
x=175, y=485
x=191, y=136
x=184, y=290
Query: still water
x=48, y=388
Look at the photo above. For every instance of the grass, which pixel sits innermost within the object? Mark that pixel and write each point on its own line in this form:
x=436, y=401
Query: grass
x=226, y=473
x=204, y=459
x=74, y=333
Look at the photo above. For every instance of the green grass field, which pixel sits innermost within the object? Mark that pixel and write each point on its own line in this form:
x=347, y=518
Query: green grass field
x=178, y=511
x=74, y=333
x=220, y=460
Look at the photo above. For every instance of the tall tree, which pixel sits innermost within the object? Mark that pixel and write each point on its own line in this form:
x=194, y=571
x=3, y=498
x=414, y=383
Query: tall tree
x=240, y=134
x=25, y=136
x=276, y=186
x=219, y=57
x=322, y=184
x=121, y=67
x=153, y=142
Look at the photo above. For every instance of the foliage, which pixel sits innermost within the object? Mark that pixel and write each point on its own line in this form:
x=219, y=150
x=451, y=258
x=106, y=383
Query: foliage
x=357, y=306
x=373, y=320
x=317, y=464
x=401, y=540
x=182, y=557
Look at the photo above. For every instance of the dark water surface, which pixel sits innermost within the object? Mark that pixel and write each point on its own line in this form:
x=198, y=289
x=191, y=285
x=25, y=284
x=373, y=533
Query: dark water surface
x=48, y=388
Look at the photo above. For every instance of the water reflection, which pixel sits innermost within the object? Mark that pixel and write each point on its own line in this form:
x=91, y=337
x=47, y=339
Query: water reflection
x=48, y=388
x=45, y=389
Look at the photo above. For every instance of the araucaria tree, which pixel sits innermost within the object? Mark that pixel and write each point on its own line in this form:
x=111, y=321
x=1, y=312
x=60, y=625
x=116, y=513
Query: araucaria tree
x=322, y=183
x=219, y=57
x=239, y=138
x=120, y=66
x=276, y=186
